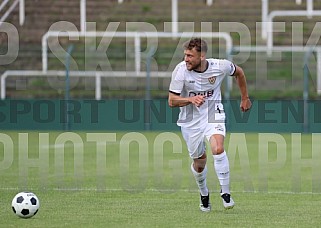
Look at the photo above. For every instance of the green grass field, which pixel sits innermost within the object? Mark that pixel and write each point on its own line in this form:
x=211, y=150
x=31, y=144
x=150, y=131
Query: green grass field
x=143, y=179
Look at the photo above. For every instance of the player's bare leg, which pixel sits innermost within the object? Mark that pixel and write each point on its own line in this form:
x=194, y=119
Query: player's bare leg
x=199, y=171
x=222, y=168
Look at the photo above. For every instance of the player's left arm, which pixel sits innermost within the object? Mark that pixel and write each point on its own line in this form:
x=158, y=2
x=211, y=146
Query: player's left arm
x=241, y=82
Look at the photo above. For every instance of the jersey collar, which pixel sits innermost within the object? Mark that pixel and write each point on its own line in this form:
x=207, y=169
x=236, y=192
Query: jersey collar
x=207, y=64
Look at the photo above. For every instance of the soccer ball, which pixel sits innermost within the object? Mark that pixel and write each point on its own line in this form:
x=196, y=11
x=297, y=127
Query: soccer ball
x=25, y=204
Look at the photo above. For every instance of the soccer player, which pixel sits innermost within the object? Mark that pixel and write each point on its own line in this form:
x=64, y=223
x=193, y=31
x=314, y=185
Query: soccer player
x=195, y=88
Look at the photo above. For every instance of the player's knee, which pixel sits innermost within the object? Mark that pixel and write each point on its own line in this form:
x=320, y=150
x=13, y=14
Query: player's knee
x=199, y=164
x=199, y=169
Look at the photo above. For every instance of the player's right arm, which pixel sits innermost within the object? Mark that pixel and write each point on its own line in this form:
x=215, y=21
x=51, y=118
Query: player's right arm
x=175, y=100
x=175, y=88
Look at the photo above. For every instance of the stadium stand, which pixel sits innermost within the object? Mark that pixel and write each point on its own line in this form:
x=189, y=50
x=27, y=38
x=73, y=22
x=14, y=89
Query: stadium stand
x=40, y=15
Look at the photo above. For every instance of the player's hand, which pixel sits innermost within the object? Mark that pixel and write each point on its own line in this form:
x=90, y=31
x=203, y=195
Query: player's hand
x=246, y=104
x=197, y=100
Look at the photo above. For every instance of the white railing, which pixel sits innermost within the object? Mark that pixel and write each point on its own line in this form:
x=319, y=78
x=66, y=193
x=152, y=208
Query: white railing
x=11, y=8
x=97, y=74
x=209, y=2
x=267, y=19
x=83, y=17
x=302, y=49
x=282, y=13
x=137, y=40
x=159, y=74
x=175, y=14
x=265, y=13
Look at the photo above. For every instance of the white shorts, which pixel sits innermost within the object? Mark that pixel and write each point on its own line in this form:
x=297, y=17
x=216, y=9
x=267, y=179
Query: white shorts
x=194, y=138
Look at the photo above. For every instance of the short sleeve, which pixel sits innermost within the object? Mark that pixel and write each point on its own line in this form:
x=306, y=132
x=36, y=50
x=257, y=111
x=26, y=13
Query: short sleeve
x=227, y=67
x=177, y=82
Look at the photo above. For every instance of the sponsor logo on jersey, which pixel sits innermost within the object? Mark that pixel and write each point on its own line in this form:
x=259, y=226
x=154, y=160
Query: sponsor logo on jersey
x=212, y=79
x=207, y=93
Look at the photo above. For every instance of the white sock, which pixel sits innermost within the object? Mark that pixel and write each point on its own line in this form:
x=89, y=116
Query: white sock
x=201, y=180
x=222, y=168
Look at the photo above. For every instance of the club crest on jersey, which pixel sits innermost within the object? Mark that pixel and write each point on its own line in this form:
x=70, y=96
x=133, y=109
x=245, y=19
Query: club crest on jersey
x=212, y=79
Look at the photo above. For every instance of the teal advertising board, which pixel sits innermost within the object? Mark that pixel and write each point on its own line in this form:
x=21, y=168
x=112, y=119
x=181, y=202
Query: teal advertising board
x=137, y=115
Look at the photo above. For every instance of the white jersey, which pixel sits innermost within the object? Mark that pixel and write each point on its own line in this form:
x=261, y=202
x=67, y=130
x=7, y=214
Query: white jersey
x=208, y=83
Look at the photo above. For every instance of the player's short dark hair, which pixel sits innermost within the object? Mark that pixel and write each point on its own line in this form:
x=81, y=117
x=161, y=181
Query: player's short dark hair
x=197, y=43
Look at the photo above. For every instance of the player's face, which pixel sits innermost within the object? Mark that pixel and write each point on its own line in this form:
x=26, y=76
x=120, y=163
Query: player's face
x=193, y=59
